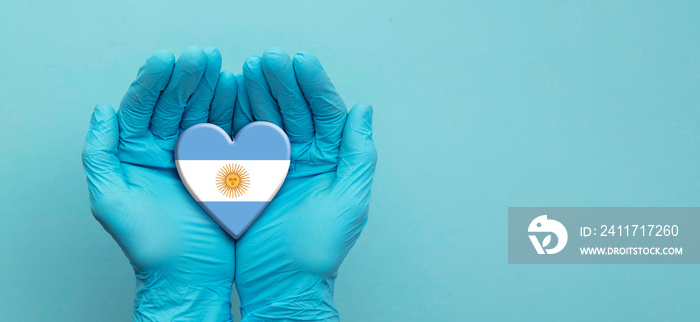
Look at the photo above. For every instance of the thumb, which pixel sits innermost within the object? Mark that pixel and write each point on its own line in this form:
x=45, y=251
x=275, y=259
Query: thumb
x=358, y=157
x=100, y=162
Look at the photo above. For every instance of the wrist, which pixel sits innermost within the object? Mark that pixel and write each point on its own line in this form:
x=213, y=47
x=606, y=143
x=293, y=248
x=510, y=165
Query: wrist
x=314, y=305
x=166, y=301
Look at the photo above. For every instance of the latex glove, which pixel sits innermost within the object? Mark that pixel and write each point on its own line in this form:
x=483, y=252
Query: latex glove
x=183, y=261
x=287, y=261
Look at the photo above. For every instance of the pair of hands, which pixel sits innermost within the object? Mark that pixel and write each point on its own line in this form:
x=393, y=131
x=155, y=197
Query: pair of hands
x=286, y=263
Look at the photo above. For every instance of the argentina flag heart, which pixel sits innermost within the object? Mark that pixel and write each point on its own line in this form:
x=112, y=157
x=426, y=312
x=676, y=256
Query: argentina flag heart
x=233, y=181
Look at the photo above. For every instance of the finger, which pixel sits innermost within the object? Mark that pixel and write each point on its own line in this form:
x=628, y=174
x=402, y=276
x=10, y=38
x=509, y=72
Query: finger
x=358, y=156
x=221, y=112
x=242, y=113
x=136, y=108
x=100, y=162
x=264, y=107
x=187, y=73
x=296, y=116
x=327, y=108
x=197, y=109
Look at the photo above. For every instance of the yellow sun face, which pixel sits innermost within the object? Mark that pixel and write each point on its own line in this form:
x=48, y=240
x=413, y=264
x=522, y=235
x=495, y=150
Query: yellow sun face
x=232, y=180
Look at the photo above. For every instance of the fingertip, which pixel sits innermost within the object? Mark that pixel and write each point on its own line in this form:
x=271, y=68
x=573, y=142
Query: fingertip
x=102, y=113
x=212, y=51
x=275, y=58
x=213, y=57
x=275, y=50
x=240, y=83
x=157, y=69
x=299, y=58
x=308, y=69
x=99, y=155
x=307, y=60
x=192, y=59
x=193, y=50
x=252, y=65
x=163, y=58
x=368, y=117
x=358, y=154
x=226, y=86
x=226, y=83
x=304, y=56
x=364, y=107
x=368, y=114
x=103, y=132
x=361, y=118
x=242, y=113
x=227, y=78
x=222, y=106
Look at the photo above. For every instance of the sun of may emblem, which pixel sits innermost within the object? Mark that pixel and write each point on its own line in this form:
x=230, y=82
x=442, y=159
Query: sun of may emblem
x=232, y=180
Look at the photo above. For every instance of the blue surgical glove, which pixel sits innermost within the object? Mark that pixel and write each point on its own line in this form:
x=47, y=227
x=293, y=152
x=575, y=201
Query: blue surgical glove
x=287, y=261
x=183, y=261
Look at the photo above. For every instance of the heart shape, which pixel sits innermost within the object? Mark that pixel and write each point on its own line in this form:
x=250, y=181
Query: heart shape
x=233, y=181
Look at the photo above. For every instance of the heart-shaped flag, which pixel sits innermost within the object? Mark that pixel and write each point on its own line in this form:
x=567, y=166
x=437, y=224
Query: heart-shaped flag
x=235, y=180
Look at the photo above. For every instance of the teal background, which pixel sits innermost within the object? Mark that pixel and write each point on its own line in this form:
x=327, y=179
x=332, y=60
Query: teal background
x=478, y=107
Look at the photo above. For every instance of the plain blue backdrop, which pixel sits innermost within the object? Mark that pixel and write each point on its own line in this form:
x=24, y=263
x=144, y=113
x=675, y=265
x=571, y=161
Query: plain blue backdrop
x=478, y=106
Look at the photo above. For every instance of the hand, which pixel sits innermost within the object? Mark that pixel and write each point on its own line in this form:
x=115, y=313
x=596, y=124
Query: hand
x=183, y=261
x=287, y=261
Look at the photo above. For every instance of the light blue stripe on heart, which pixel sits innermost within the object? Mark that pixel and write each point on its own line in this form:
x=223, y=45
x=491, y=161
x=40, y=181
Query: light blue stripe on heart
x=256, y=141
x=234, y=217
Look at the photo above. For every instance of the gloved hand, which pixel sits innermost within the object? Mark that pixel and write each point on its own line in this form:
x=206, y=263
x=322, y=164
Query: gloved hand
x=183, y=261
x=287, y=261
